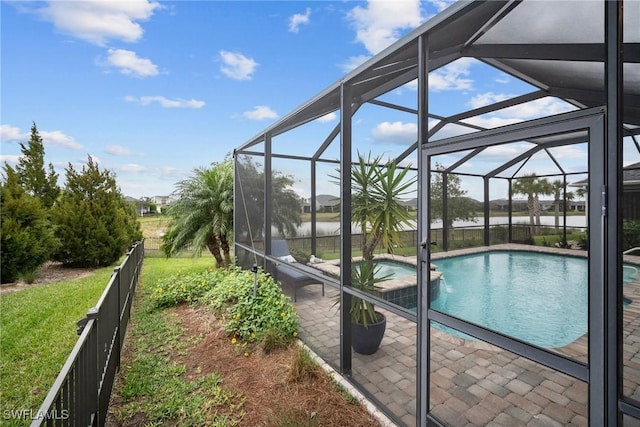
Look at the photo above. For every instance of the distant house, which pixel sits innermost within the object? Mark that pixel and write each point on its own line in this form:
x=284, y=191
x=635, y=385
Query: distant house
x=630, y=190
x=410, y=205
x=162, y=202
x=324, y=203
x=142, y=207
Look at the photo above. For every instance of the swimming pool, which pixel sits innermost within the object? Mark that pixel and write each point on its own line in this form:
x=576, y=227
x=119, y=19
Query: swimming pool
x=394, y=269
x=536, y=297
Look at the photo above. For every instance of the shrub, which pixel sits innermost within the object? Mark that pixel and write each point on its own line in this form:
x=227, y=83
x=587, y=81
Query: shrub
x=27, y=238
x=93, y=222
x=182, y=288
x=630, y=234
x=250, y=317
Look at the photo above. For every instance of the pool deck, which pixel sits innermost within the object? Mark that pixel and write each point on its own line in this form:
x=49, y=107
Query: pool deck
x=472, y=383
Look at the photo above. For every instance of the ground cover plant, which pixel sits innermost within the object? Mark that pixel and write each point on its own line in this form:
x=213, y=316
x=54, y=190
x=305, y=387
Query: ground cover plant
x=202, y=349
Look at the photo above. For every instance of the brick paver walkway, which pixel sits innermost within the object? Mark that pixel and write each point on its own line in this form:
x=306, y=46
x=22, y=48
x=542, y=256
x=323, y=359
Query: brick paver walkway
x=472, y=383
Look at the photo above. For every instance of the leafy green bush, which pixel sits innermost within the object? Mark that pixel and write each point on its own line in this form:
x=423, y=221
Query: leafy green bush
x=93, y=222
x=250, y=317
x=630, y=234
x=268, y=316
x=27, y=238
x=182, y=288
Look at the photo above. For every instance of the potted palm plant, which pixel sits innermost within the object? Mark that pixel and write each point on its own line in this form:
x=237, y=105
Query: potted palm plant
x=376, y=209
x=367, y=324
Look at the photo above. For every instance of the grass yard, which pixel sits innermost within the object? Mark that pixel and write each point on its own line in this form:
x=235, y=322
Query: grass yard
x=38, y=330
x=37, y=333
x=154, y=226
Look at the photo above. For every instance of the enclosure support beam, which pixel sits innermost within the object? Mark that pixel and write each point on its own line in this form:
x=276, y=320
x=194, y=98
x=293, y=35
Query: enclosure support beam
x=487, y=211
x=312, y=205
x=423, y=341
x=612, y=328
x=510, y=208
x=345, y=226
x=267, y=194
x=445, y=211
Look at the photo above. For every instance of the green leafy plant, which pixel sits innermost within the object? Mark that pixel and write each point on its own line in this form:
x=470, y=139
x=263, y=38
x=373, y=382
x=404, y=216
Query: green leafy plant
x=376, y=206
x=181, y=288
x=247, y=316
x=364, y=277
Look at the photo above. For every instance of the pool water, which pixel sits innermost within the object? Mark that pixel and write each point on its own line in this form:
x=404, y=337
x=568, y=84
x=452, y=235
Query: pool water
x=538, y=298
x=394, y=269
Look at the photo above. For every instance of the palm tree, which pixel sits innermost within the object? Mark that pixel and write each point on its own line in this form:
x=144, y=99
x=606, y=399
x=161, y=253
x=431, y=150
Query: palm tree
x=559, y=193
x=376, y=206
x=286, y=205
x=532, y=186
x=203, y=214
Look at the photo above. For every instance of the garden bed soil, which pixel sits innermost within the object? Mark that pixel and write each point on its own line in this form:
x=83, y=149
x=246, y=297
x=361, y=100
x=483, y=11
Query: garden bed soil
x=50, y=272
x=261, y=379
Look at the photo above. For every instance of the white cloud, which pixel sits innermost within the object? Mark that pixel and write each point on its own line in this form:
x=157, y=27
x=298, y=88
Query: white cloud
x=260, y=112
x=538, y=108
x=130, y=168
x=518, y=113
x=59, y=139
x=53, y=138
x=380, y=23
x=452, y=76
x=488, y=98
x=490, y=122
x=10, y=133
x=328, y=117
x=165, y=102
x=570, y=152
x=98, y=21
x=441, y=4
x=130, y=64
x=237, y=66
x=395, y=132
x=299, y=19
x=506, y=150
x=118, y=150
x=12, y=159
x=353, y=62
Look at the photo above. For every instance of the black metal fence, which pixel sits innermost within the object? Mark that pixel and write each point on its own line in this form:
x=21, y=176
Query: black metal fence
x=80, y=395
x=459, y=237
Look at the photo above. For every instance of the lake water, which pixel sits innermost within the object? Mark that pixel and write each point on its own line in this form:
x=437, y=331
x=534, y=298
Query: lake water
x=333, y=228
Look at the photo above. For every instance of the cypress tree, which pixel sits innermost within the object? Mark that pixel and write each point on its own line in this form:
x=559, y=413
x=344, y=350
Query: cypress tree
x=31, y=172
x=27, y=239
x=94, y=225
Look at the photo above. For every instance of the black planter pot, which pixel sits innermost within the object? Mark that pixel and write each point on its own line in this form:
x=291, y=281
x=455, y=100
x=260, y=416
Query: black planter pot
x=367, y=340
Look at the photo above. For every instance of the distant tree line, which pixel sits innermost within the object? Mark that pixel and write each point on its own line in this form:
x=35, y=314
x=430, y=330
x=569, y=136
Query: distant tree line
x=86, y=223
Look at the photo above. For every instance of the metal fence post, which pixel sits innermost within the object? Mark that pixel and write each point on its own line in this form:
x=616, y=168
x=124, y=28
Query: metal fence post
x=116, y=283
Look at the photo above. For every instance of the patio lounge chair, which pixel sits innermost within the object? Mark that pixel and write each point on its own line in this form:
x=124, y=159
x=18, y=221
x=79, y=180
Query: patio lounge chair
x=288, y=275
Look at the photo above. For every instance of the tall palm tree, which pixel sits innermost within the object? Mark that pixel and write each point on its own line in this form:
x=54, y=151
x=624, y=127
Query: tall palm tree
x=286, y=205
x=203, y=214
x=559, y=194
x=532, y=186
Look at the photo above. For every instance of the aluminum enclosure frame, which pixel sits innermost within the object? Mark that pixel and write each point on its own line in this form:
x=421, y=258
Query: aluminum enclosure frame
x=614, y=105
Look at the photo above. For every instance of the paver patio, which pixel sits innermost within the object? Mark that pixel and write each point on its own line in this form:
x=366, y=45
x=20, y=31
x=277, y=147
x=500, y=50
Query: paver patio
x=472, y=383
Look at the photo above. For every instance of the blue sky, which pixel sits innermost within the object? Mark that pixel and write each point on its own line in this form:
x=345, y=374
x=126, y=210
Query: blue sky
x=152, y=90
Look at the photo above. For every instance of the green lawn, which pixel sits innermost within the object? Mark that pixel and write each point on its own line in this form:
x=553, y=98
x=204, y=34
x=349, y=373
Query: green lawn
x=37, y=333
x=38, y=329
